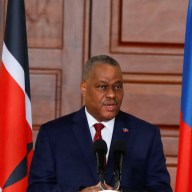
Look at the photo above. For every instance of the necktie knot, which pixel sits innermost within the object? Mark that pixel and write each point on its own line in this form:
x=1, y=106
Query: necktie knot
x=98, y=127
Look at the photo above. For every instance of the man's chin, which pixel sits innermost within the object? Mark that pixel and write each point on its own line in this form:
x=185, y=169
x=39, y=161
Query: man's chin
x=109, y=115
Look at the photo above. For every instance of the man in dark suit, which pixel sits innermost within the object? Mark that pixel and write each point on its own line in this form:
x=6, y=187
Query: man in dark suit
x=64, y=159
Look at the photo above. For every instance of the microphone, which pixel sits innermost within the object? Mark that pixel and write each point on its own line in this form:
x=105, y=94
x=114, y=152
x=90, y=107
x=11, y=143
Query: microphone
x=119, y=151
x=100, y=149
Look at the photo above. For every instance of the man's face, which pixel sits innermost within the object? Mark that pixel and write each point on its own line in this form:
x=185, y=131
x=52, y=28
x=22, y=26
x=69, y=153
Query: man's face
x=103, y=91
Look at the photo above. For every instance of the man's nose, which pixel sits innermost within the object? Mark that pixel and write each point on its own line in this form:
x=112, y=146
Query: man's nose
x=110, y=93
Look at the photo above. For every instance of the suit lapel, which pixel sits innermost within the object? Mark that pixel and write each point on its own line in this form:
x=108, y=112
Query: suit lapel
x=83, y=136
x=120, y=132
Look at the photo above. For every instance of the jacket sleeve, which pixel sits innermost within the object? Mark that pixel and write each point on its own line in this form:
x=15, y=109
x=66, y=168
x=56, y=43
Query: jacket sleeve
x=158, y=178
x=155, y=175
x=42, y=176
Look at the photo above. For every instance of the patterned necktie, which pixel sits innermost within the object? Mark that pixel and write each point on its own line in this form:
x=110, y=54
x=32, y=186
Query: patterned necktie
x=98, y=127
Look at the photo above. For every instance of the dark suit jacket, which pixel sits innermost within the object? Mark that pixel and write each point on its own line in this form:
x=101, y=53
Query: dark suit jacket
x=64, y=160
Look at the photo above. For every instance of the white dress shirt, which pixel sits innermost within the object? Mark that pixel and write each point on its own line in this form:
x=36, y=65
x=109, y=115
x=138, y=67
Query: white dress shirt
x=106, y=132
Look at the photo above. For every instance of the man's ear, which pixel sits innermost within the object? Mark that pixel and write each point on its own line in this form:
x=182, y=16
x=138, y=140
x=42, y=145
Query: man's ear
x=83, y=88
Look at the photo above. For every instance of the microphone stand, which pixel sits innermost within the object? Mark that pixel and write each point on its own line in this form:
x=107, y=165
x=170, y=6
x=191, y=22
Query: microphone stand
x=102, y=180
x=117, y=178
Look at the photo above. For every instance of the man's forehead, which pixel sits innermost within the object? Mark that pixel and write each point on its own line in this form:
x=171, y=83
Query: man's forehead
x=110, y=82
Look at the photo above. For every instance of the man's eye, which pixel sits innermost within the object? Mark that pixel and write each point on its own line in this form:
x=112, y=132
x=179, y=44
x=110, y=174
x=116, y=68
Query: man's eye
x=116, y=87
x=102, y=87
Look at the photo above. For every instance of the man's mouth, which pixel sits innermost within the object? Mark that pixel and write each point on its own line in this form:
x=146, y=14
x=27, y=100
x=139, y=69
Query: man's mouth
x=110, y=106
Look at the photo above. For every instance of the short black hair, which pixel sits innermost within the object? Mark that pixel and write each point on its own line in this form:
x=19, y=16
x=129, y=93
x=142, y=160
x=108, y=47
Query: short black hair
x=98, y=59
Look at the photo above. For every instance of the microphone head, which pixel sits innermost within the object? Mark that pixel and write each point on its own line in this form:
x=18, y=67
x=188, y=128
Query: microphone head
x=100, y=149
x=120, y=146
x=100, y=146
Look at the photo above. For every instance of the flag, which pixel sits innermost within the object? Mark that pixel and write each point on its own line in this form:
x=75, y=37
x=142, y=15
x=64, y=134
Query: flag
x=184, y=168
x=15, y=106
